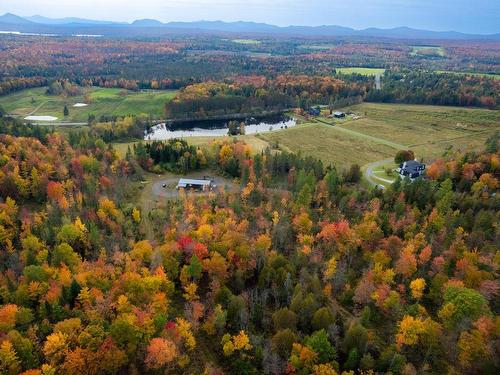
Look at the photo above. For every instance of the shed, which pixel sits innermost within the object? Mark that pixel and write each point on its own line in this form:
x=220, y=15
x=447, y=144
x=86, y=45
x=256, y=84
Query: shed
x=198, y=184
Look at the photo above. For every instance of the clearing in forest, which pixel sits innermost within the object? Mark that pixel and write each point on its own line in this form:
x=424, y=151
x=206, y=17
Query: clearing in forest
x=100, y=102
x=362, y=71
x=376, y=132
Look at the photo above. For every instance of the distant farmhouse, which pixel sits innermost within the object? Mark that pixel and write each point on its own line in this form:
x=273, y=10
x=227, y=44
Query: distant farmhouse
x=338, y=114
x=412, y=169
x=314, y=111
x=205, y=184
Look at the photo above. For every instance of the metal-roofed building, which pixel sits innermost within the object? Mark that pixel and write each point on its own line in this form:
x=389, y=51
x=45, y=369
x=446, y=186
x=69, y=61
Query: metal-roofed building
x=198, y=184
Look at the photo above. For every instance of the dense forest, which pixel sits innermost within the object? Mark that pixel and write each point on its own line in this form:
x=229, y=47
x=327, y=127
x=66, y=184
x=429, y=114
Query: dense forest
x=179, y=62
x=298, y=270
x=437, y=89
x=291, y=265
x=257, y=95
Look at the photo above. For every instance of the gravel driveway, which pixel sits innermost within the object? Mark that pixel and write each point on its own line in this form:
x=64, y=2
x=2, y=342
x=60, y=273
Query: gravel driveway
x=170, y=191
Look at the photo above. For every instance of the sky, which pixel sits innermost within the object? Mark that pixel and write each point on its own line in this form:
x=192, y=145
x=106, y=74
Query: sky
x=470, y=16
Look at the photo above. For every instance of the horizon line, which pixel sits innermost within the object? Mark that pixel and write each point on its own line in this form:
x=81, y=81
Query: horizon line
x=250, y=21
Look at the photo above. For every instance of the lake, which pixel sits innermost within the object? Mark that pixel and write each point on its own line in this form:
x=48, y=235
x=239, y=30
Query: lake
x=217, y=128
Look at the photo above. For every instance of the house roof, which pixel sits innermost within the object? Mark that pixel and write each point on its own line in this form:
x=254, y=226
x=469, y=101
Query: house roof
x=338, y=113
x=183, y=182
x=412, y=166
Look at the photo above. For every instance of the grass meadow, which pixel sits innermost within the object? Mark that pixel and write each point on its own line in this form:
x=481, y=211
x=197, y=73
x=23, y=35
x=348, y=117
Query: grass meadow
x=103, y=101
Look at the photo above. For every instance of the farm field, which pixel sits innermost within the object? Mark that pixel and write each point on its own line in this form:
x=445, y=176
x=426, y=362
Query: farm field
x=246, y=41
x=328, y=144
x=427, y=50
x=382, y=130
x=428, y=130
x=104, y=101
x=362, y=71
x=491, y=75
x=386, y=128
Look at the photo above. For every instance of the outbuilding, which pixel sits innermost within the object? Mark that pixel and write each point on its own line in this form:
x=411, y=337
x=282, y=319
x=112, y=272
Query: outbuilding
x=205, y=184
x=314, y=111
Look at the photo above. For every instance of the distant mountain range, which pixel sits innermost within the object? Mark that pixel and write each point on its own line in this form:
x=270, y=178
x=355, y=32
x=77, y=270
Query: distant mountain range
x=150, y=27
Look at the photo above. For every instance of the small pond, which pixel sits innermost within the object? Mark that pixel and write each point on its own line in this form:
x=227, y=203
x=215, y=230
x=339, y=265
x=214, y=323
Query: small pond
x=217, y=128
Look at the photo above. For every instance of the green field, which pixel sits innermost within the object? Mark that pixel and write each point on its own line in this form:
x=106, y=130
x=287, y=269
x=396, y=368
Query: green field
x=427, y=50
x=328, y=144
x=379, y=132
x=103, y=101
x=246, y=41
x=362, y=71
x=491, y=75
x=385, y=128
x=428, y=130
x=318, y=47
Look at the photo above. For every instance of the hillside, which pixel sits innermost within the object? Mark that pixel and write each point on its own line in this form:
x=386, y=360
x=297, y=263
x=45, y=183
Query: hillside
x=72, y=25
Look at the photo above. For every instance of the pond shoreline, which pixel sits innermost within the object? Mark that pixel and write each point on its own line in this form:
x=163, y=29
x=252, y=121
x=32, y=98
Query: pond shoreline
x=219, y=127
x=230, y=116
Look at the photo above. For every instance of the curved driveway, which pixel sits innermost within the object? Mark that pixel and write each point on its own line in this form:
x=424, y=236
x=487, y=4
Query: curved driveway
x=369, y=175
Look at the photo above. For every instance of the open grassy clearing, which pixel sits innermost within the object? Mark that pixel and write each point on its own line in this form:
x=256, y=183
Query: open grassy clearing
x=246, y=41
x=382, y=130
x=427, y=50
x=491, y=75
x=428, y=130
x=318, y=47
x=103, y=101
x=255, y=140
x=362, y=71
x=330, y=145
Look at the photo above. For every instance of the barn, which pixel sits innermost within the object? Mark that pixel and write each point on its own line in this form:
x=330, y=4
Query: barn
x=205, y=184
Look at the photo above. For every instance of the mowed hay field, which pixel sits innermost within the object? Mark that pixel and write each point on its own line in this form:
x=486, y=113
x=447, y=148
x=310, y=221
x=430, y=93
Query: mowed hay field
x=428, y=50
x=103, y=101
x=328, y=144
x=428, y=130
x=385, y=128
x=362, y=71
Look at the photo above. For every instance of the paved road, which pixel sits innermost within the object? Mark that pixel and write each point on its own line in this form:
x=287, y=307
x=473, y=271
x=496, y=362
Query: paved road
x=377, y=81
x=375, y=181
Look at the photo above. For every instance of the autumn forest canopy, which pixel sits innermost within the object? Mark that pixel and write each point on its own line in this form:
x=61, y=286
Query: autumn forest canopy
x=290, y=264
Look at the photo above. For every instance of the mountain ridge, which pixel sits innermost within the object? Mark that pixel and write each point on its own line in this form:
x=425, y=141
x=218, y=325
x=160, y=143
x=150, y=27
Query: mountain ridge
x=68, y=25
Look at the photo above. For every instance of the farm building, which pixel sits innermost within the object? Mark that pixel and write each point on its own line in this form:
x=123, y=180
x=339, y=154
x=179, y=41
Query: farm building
x=411, y=169
x=314, y=111
x=204, y=184
x=338, y=114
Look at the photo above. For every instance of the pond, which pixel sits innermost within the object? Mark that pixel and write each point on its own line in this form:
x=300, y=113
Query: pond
x=217, y=128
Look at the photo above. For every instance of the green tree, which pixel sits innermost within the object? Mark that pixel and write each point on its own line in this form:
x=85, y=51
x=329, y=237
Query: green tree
x=323, y=318
x=64, y=253
x=319, y=343
x=282, y=342
x=353, y=359
x=462, y=306
x=404, y=155
x=65, y=111
x=284, y=318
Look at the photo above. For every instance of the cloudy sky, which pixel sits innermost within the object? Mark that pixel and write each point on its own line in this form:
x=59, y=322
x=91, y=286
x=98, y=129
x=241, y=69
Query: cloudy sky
x=473, y=16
